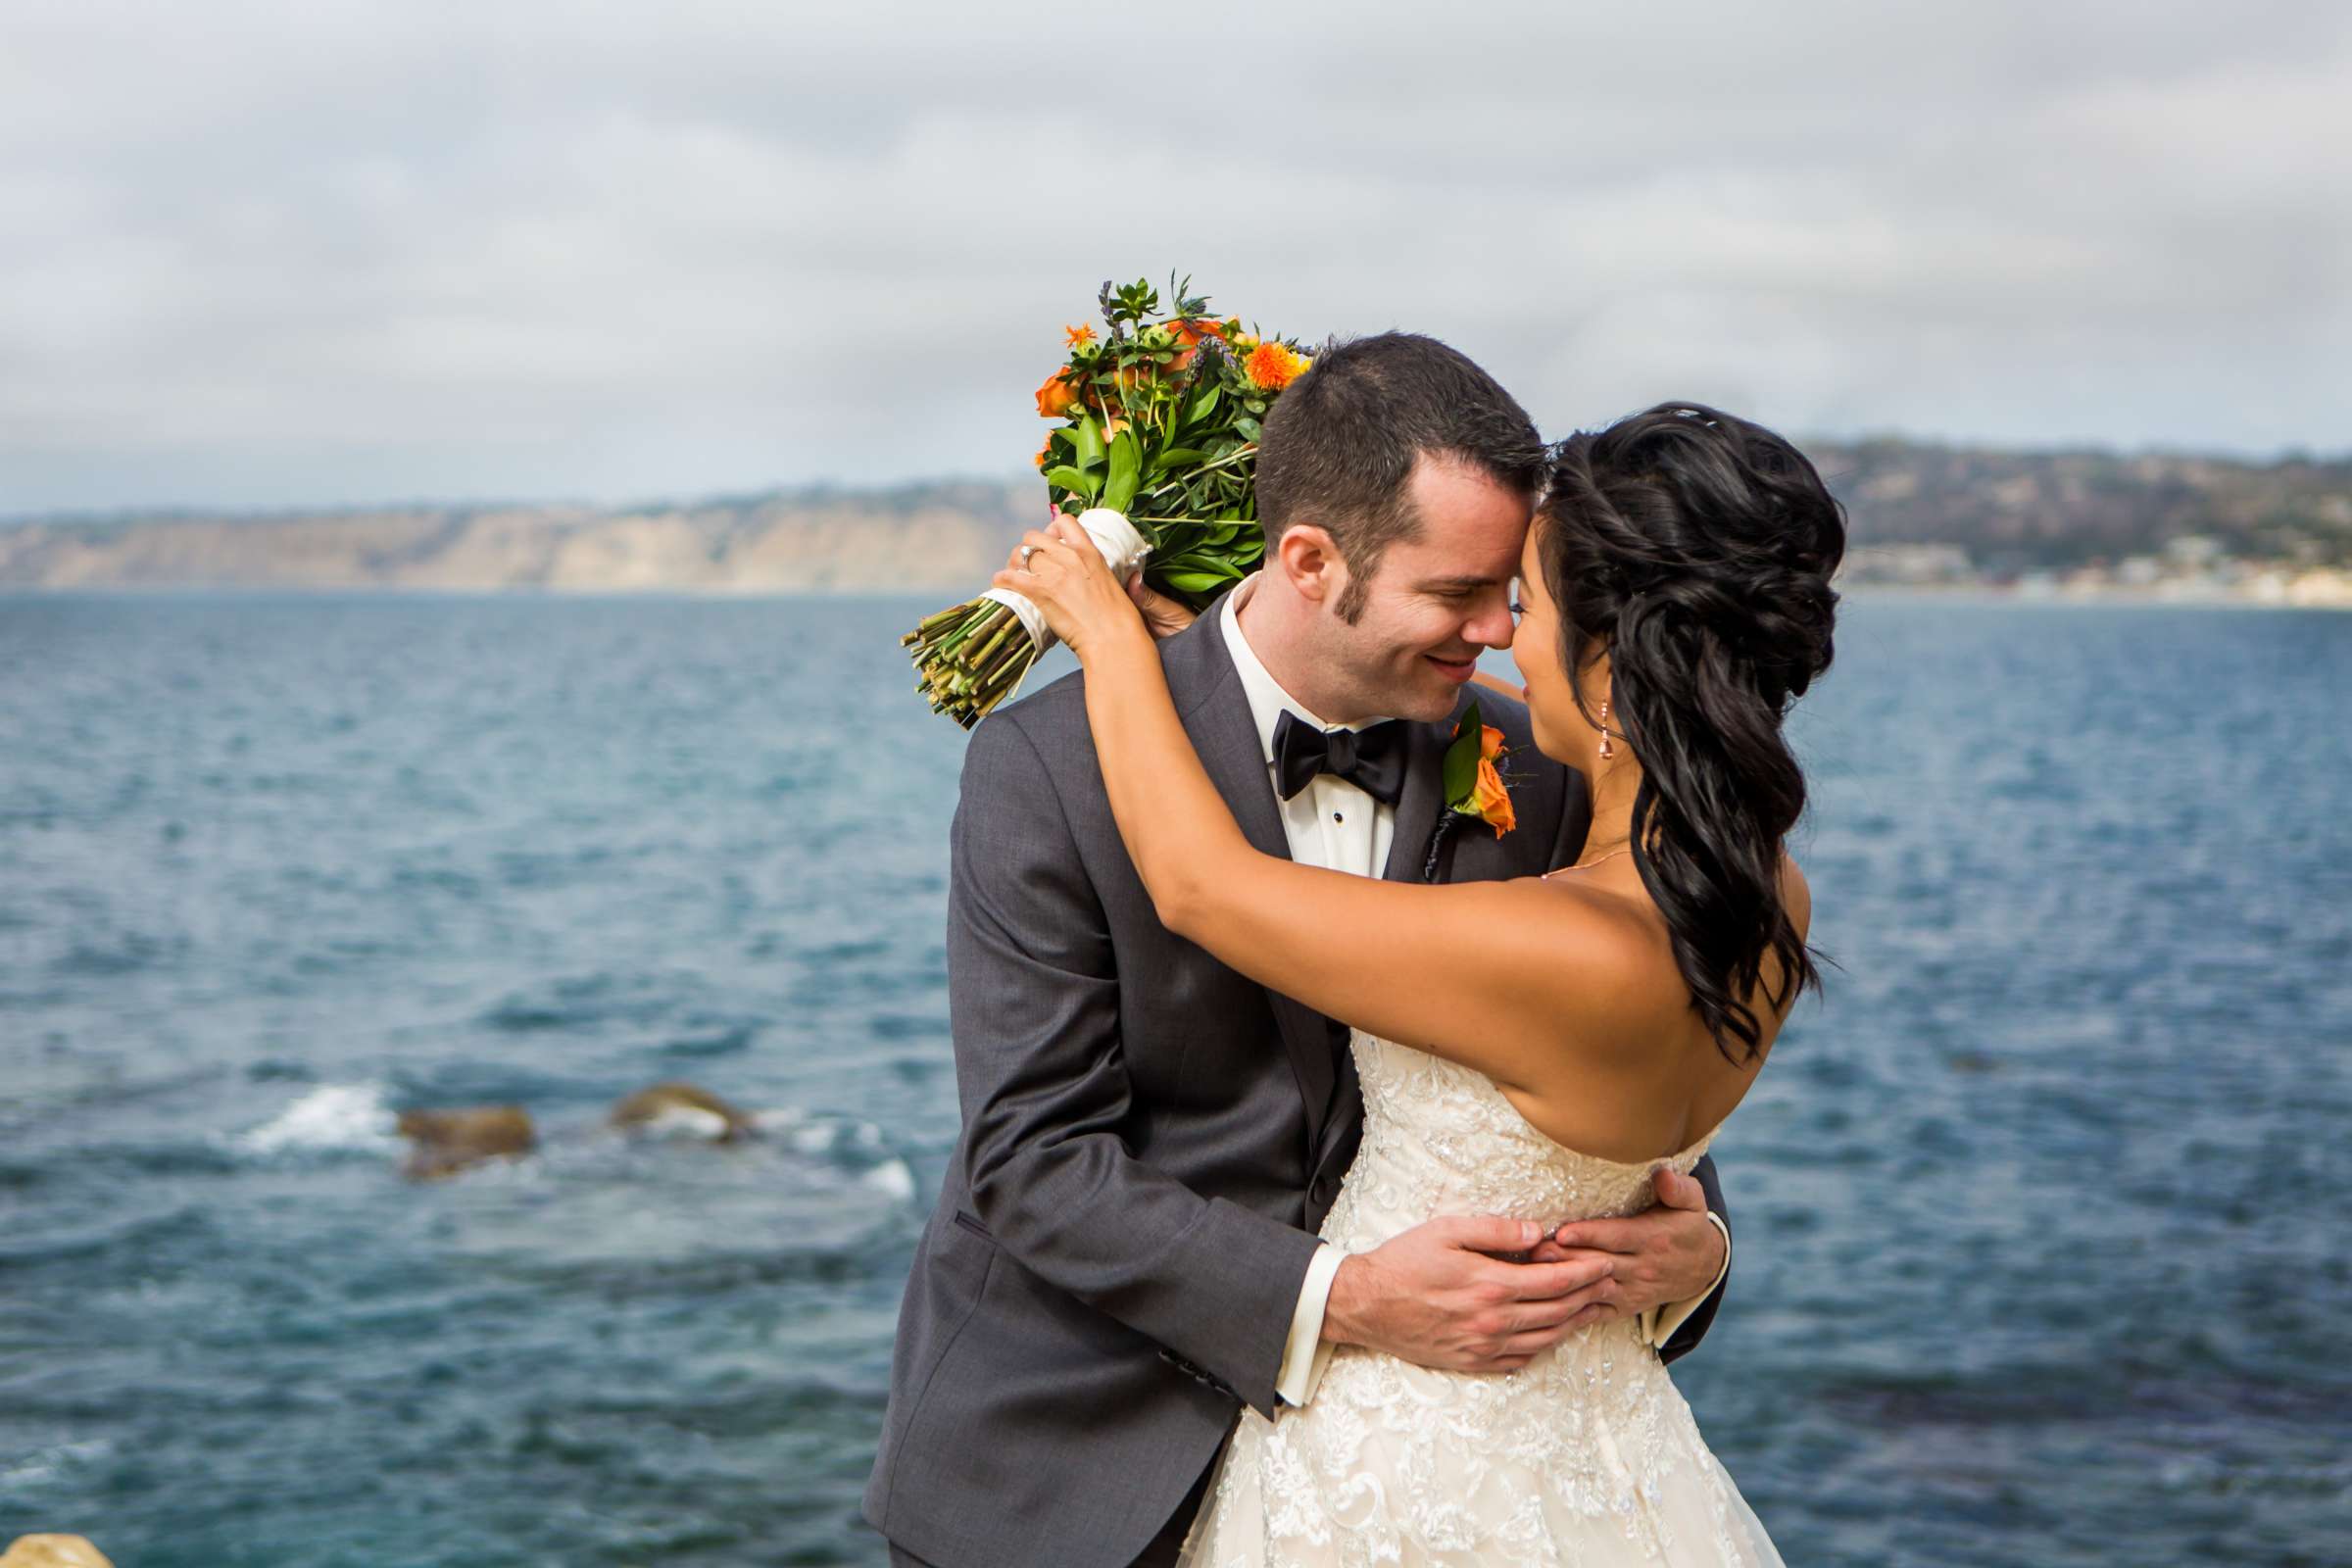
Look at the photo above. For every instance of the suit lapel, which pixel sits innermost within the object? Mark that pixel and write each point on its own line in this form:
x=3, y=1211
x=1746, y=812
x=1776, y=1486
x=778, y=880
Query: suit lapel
x=1423, y=798
x=1209, y=693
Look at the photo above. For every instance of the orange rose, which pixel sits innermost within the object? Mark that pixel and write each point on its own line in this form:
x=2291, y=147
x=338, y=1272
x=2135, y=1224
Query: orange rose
x=1045, y=452
x=1189, y=331
x=1489, y=742
x=1491, y=802
x=1056, y=397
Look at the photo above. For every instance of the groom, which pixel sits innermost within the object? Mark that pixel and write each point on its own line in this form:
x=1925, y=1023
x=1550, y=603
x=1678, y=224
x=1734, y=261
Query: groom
x=1124, y=1249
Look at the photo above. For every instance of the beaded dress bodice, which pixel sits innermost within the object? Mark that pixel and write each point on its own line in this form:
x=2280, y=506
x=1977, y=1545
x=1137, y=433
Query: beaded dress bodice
x=1440, y=1139
x=1587, y=1454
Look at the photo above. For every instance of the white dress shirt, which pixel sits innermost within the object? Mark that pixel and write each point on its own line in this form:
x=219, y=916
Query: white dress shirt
x=1334, y=824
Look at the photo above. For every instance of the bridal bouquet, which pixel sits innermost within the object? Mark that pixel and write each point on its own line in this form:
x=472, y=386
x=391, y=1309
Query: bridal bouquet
x=1156, y=454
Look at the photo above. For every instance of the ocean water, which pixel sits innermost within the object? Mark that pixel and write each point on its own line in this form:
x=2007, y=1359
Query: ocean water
x=2041, y=1239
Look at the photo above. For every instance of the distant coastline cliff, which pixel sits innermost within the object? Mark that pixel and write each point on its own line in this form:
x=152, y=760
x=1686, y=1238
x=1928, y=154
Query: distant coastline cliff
x=931, y=536
x=1924, y=516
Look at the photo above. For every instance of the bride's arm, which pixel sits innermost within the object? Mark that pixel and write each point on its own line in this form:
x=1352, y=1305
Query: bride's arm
x=1490, y=974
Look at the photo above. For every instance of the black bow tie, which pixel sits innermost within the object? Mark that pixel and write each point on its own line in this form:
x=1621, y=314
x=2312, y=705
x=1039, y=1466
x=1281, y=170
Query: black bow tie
x=1371, y=759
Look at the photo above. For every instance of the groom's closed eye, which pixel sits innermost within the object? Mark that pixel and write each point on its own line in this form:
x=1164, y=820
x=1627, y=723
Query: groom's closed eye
x=1458, y=587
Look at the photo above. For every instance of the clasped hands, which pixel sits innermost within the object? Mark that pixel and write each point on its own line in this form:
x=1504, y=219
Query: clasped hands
x=1059, y=570
x=1483, y=1295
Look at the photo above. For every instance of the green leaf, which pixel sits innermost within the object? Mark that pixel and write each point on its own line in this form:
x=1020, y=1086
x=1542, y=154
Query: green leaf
x=1196, y=582
x=1250, y=428
x=1461, y=760
x=1176, y=456
x=1202, y=406
x=1066, y=477
x=1086, y=437
x=1126, y=468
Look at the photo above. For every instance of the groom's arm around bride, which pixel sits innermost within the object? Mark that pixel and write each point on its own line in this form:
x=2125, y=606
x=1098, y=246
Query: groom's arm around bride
x=1117, y=1255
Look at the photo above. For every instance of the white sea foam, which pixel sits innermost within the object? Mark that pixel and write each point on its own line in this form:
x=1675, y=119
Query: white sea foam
x=330, y=1117
x=41, y=1464
x=683, y=1121
x=892, y=1177
x=817, y=1137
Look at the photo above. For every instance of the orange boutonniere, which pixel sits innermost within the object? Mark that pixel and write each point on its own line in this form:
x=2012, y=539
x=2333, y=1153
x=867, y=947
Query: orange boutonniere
x=1475, y=788
x=1474, y=785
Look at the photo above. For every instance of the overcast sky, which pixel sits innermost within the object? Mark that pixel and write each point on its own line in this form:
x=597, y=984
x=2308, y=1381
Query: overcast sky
x=271, y=253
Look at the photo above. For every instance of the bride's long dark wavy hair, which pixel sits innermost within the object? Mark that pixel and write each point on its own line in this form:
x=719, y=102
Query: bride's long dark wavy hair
x=1695, y=549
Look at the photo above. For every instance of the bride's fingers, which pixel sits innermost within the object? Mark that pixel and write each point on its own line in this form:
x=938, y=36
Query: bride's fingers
x=1543, y=1282
x=1084, y=550
x=1619, y=1236
x=1071, y=557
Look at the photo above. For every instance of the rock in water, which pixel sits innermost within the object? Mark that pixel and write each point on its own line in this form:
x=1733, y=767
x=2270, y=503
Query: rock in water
x=448, y=1141
x=53, y=1551
x=678, y=1101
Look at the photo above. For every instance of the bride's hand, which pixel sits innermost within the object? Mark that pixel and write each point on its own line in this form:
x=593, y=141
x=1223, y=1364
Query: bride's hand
x=1059, y=570
x=1164, y=616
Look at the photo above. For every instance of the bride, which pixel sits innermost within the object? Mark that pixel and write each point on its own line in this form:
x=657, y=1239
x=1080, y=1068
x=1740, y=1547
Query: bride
x=1545, y=1044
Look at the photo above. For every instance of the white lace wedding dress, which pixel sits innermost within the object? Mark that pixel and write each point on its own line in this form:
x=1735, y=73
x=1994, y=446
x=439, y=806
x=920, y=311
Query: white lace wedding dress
x=1586, y=1455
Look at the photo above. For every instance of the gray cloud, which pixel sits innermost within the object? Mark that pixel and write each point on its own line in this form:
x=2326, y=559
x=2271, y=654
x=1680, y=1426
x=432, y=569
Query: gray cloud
x=266, y=254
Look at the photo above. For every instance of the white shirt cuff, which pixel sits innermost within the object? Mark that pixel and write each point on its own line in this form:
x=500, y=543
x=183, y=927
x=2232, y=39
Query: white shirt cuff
x=1659, y=1323
x=1306, y=1354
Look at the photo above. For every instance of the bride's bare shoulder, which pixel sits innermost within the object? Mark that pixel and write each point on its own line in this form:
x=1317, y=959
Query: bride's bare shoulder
x=1608, y=952
x=1797, y=896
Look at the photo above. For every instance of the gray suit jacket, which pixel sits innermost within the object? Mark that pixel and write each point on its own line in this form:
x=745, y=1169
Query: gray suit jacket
x=1149, y=1142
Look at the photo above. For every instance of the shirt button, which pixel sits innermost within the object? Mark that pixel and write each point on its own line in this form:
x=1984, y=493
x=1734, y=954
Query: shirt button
x=1336, y=817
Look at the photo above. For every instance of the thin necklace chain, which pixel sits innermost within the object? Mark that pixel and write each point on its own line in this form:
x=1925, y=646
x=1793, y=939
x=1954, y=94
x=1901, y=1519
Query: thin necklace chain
x=1587, y=866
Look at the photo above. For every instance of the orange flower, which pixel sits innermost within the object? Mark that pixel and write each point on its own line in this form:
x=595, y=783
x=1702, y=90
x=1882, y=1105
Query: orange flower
x=1045, y=452
x=1189, y=331
x=1274, y=367
x=1492, y=804
x=1489, y=742
x=1056, y=397
x=1080, y=335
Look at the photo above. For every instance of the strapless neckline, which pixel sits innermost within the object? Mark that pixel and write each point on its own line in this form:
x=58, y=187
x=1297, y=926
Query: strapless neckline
x=1681, y=1158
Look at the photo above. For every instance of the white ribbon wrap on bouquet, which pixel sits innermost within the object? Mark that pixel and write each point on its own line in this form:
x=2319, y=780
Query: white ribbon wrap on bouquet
x=1123, y=550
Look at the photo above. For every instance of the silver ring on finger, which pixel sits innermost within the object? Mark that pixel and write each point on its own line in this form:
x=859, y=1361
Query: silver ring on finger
x=1026, y=551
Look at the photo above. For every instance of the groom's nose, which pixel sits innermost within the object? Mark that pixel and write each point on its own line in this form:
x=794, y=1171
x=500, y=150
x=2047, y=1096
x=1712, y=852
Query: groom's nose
x=1489, y=625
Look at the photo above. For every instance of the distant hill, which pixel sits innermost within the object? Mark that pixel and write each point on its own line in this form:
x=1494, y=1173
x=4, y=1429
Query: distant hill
x=2019, y=512
x=925, y=536
x=1983, y=514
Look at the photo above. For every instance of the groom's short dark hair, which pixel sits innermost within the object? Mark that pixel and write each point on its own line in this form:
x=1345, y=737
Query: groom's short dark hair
x=1339, y=446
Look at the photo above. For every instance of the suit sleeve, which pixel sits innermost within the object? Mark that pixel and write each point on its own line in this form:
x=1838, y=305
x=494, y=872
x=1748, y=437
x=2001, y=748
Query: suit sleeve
x=1694, y=1328
x=1033, y=990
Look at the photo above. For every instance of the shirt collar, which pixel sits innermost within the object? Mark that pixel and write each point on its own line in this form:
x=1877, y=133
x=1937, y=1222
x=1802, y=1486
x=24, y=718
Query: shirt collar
x=1267, y=699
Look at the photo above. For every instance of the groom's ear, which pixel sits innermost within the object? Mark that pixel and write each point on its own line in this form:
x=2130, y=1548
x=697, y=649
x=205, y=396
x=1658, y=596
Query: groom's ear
x=1309, y=559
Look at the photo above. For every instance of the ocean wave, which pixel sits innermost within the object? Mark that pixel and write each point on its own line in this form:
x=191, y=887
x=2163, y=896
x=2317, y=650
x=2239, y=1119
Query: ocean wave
x=893, y=1178
x=332, y=1118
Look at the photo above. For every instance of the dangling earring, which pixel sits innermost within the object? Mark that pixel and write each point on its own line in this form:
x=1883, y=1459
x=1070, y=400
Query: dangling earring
x=1606, y=750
